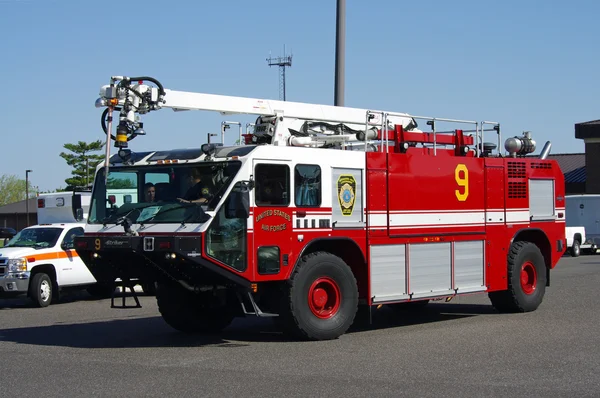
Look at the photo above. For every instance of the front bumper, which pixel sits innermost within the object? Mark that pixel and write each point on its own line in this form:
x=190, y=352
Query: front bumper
x=135, y=257
x=15, y=283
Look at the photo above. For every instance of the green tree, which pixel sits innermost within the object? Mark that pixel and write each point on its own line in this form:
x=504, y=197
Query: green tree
x=84, y=162
x=12, y=189
x=119, y=183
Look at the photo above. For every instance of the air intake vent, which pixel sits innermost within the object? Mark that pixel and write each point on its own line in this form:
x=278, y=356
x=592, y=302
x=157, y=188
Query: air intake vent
x=517, y=190
x=516, y=170
x=541, y=165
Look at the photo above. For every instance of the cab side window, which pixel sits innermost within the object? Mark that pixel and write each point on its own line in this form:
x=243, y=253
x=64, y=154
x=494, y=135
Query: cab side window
x=272, y=185
x=70, y=236
x=307, y=181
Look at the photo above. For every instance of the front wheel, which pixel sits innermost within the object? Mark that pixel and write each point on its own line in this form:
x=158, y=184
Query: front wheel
x=149, y=288
x=40, y=290
x=321, y=299
x=526, y=280
x=191, y=313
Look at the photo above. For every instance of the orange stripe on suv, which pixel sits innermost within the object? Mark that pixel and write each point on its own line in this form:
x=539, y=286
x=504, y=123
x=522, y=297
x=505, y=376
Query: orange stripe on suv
x=52, y=256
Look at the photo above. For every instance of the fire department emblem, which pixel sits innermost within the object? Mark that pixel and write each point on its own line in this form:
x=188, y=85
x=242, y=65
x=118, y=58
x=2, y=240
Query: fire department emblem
x=346, y=187
x=204, y=191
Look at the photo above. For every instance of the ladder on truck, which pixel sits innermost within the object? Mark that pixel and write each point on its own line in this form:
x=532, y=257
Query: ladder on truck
x=283, y=123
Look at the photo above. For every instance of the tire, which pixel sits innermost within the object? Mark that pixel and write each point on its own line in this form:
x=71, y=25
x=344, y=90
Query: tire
x=575, y=249
x=321, y=298
x=526, y=280
x=41, y=289
x=102, y=290
x=188, y=313
x=411, y=306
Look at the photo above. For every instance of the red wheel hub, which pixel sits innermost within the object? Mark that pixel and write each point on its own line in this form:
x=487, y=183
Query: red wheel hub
x=324, y=298
x=528, y=277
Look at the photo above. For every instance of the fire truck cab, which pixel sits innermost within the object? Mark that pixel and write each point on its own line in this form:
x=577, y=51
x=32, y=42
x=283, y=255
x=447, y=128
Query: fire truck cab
x=317, y=214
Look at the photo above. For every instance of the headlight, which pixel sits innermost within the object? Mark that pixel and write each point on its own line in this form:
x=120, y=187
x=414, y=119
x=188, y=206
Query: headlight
x=17, y=265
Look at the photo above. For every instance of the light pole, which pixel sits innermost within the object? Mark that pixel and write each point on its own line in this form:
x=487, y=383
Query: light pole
x=27, y=194
x=340, y=52
x=208, y=135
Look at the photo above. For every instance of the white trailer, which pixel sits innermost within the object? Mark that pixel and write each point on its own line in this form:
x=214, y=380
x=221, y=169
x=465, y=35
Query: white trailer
x=63, y=207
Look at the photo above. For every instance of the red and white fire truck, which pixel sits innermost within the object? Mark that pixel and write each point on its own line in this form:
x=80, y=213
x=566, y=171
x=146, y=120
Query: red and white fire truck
x=321, y=210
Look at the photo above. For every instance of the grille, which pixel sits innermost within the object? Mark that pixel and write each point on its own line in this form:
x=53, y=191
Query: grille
x=3, y=265
x=516, y=170
x=541, y=165
x=517, y=190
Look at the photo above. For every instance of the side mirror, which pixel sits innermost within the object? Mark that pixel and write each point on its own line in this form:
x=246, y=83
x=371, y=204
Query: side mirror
x=237, y=204
x=79, y=214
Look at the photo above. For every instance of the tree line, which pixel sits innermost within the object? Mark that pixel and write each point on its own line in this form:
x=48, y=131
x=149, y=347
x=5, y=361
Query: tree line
x=83, y=157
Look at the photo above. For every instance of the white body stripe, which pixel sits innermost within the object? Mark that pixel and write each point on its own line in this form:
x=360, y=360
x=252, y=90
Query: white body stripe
x=437, y=219
x=517, y=216
x=446, y=218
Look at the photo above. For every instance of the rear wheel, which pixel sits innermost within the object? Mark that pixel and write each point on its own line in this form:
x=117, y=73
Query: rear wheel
x=526, y=280
x=321, y=299
x=191, y=313
x=575, y=249
x=40, y=290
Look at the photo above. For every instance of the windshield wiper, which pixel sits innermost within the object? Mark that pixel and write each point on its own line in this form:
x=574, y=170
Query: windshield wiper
x=119, y=220
x=42, y=245
x=202, y=218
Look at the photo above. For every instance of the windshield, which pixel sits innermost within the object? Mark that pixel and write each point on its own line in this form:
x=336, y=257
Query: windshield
x=35, y=237
x=160, y=193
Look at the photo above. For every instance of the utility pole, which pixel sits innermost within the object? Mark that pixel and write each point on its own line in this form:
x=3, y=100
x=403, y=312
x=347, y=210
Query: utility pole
x=282, y=62
x=27, y=194
x=340, y=53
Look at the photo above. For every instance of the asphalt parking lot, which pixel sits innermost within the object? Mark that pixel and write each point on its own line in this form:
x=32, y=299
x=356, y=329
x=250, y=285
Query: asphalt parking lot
x=457, y=349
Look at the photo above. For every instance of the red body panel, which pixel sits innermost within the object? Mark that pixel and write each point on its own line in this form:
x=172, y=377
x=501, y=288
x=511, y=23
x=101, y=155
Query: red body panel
x=419, y=186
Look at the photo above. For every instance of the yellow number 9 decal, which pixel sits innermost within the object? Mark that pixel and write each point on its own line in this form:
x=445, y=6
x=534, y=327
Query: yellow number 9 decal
x=97, y=244
x=461, y=175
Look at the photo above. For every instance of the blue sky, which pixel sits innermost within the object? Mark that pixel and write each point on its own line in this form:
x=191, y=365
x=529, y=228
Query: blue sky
x=531, y=65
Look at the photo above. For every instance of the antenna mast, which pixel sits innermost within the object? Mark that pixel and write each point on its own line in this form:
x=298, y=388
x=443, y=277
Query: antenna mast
x=282, y=62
